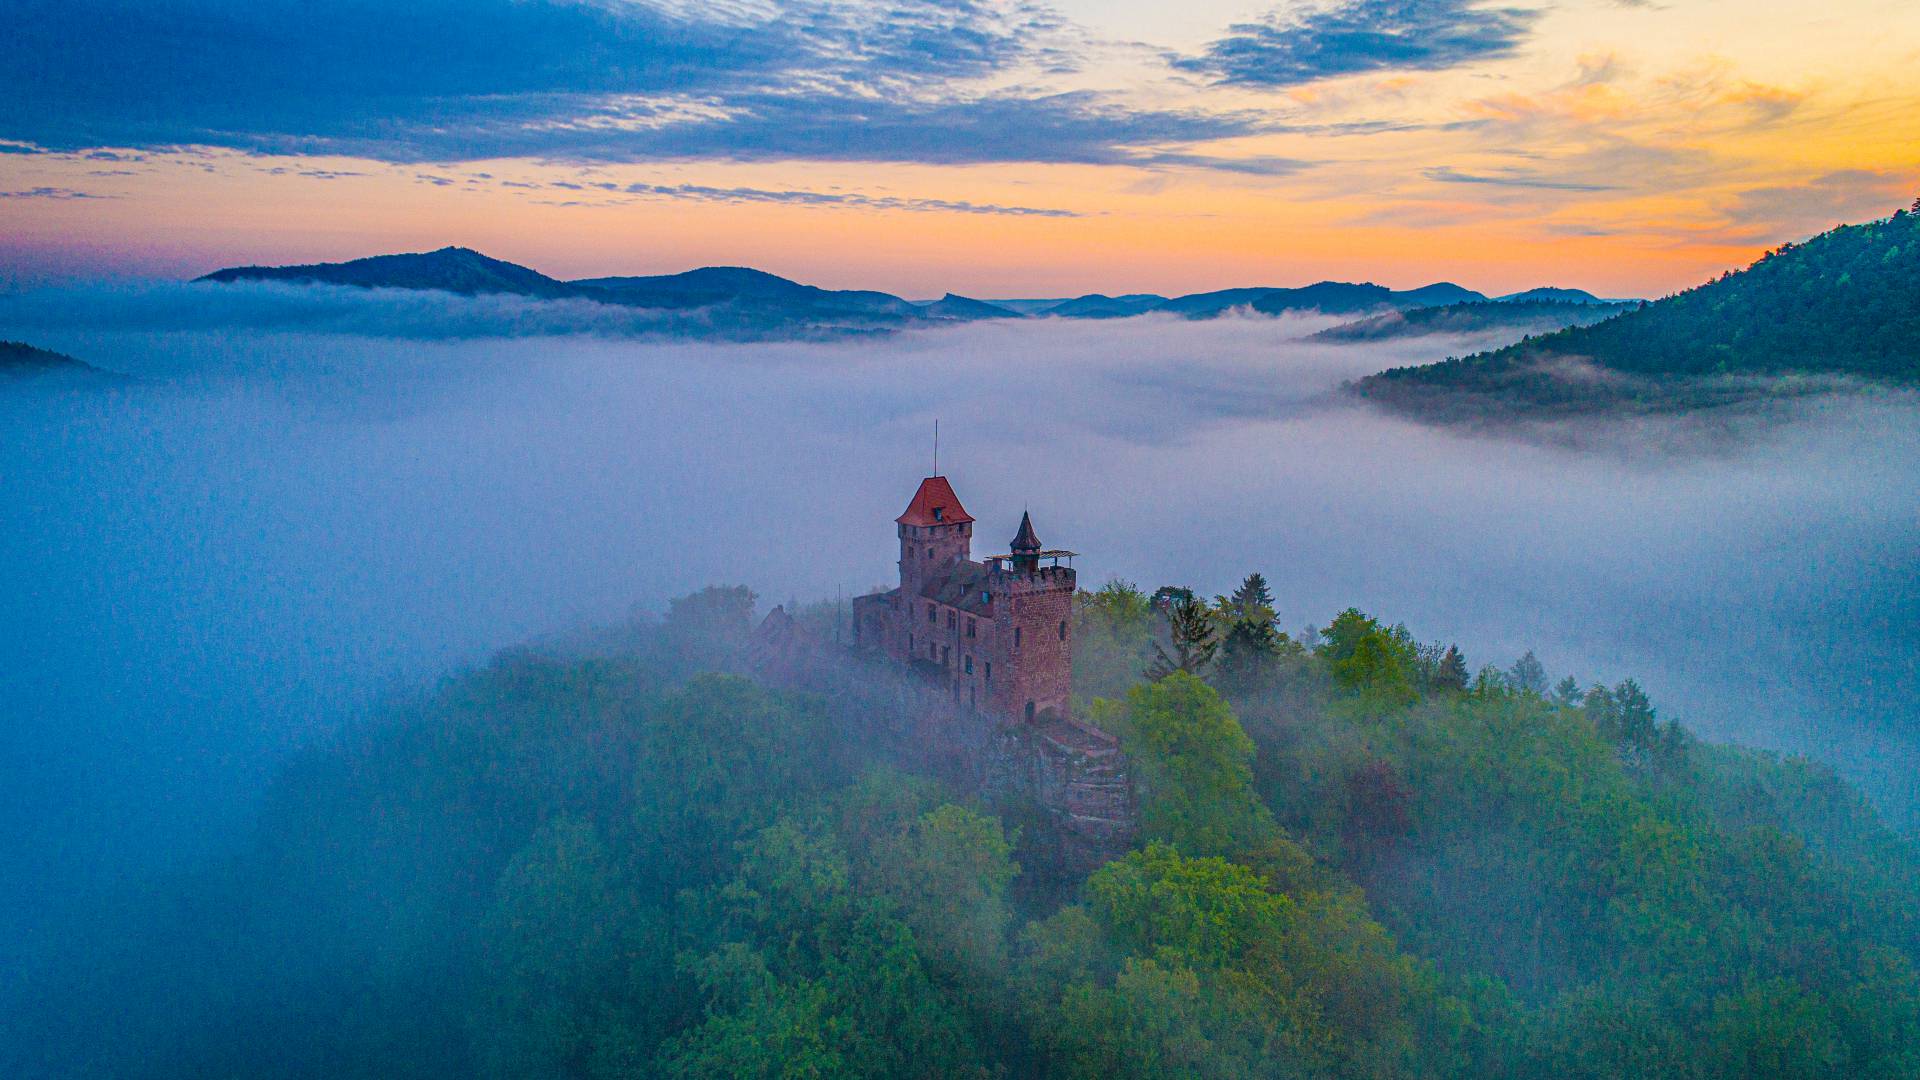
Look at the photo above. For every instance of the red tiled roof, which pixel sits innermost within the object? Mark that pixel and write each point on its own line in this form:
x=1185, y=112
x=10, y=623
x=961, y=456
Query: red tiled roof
x=935, y=494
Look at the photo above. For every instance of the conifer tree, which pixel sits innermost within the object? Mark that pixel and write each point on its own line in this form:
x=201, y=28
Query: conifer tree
x=1452, y=674
x=1566, y=693
x=1253, y=592
x=1194, y=642
x=1528, y=675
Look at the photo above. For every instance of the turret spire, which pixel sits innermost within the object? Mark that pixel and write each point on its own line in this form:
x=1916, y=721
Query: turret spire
x=1025, y=541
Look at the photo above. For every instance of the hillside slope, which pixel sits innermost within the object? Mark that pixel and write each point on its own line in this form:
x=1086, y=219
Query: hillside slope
x=1473, y=317
x=1845, y=304
x=20, y=361
x=450, y=269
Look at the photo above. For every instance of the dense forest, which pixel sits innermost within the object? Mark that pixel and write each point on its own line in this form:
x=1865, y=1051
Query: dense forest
x=1473, y=317
x=1359, y=857
x=1843, y=304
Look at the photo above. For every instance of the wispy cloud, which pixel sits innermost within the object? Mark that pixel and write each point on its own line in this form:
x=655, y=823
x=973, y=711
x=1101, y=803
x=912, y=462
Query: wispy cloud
x=1519, y=178
x=442, y=81
x=1770, y=211
x=1360, y=36
x=51, y=193
x=702, y=193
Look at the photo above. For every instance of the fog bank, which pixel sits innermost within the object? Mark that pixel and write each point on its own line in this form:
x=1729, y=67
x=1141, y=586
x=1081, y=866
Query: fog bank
x=295, y=513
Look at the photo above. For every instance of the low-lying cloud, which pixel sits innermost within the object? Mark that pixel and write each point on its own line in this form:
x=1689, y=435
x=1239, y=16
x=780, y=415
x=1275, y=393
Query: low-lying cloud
x=295, y=513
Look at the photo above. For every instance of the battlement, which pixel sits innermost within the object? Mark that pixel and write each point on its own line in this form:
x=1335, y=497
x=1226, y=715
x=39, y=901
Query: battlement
x=1011, y=579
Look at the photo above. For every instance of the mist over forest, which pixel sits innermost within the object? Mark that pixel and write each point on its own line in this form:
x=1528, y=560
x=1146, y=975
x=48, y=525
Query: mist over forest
x=313, y=504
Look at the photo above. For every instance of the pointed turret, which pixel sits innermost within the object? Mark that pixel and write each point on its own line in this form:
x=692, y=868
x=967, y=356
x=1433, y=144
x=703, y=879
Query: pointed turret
x=1024, y=541
x=1026, y=545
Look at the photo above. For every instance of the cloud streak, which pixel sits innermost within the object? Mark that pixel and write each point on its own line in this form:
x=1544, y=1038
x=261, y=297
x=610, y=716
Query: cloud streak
x=572, y=80
x=703, y=193
x=1360, y=36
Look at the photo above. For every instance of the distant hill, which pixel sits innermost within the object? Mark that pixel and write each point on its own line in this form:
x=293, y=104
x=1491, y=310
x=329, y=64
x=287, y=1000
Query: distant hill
x=450, y=269
x=20, y=361
x=1474, y=317
x=1844, y=304
x=966, y=309
x=1560, y=296
x=1101, y=306
x=741, y=299
x=743, y=286
x=729, y=299
x=1326, y=297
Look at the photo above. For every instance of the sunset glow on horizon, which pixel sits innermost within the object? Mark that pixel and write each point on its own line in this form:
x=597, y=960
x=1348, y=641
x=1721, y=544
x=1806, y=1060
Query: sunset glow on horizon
x=990, y=149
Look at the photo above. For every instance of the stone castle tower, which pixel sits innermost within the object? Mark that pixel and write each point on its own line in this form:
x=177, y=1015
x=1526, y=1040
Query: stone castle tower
x=997, y=632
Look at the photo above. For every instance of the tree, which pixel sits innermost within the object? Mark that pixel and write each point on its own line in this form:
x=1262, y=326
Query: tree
x=1452, y=673
x=1253, y=592
x=1191, y=626
x=1376, y=662
x=1566, y=693
x=949, y=870
x=1112, y=638
x=1193, y=764
x=1528, y=675
x=1252, y=640
x=1166, y=596
x=581, y=968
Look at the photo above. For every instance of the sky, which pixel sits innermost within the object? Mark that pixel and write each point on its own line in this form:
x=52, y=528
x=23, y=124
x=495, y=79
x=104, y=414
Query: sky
x=994, y=148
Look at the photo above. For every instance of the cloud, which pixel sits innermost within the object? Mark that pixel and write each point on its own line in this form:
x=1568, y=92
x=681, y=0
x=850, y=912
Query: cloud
x=1779, y=211
x=440, y=81
x=1247, y=166
x=51, y=193
x=703, y=193
x=1520, y=178
x=1359, y=36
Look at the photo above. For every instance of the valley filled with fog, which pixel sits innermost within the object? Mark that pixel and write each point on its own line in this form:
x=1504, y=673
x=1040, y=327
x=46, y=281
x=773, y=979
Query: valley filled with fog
x=315, y=500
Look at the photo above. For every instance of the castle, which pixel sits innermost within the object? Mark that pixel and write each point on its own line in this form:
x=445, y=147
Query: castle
x=997, y=633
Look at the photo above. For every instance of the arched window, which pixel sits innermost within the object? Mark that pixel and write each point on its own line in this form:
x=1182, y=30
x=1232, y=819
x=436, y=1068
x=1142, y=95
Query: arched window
x=1016, y=637
x=1029, y=712
x=1063, y=629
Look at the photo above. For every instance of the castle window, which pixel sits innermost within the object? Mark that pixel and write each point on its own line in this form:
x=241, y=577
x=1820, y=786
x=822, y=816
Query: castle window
x=933, y=614
x=938, y=513
x=969, y=665
x=989, y=671
x=1016, y=637
x=1029, y=712
x=970, y=625
x=933, y=651
x=929, y=553
x=1063, y=629
x=952, y=620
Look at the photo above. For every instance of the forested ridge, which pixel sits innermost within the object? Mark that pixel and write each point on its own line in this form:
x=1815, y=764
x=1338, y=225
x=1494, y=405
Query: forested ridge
x=1843, y=304
x=1360, y=857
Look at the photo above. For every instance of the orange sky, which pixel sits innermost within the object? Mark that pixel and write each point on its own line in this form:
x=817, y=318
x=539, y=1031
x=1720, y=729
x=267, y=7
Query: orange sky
x=1625, y=149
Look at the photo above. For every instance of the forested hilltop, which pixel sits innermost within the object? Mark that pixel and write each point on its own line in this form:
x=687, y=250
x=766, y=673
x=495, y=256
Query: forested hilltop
x=1359, y=858
x=1845, y=304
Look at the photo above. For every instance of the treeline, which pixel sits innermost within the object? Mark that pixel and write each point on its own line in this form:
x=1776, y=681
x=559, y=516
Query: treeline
x=1600, y=892
x=1474, y=317
x=1845, y=303
x=1359, y=858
